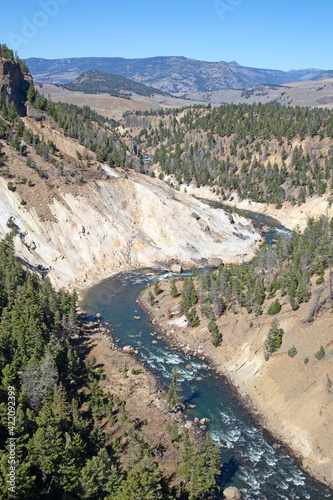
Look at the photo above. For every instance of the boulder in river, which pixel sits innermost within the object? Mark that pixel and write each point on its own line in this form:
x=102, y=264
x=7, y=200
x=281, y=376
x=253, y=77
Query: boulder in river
x=215, y=262
x=176, y=268
x=179, y=407
x=232, y=493
x=129, y=349
x=98, y=316
x=204, y=421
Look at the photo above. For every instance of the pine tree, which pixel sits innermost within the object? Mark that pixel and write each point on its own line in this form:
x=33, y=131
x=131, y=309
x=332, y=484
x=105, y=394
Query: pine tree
x=189, y=295
x=172, y=396
x=216, y=336
x=186, y=455
x=173, y=290
x=143, y=482
x=274, y=308
x=31, y=93
x=151, y=299
x=216, y=299
x=99, y=477
x=156, y=287
x=274, y=337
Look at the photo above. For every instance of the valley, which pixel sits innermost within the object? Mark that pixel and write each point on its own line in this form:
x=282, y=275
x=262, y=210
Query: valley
x=110, y=106
x=95, y=190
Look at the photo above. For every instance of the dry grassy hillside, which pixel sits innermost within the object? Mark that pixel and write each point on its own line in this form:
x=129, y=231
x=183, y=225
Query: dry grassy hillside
x=113, y=107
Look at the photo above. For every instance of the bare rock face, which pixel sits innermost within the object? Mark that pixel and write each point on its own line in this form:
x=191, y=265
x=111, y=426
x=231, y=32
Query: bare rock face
x=134, y=221
x=176, y=268
x=215, y=262
x=13, y=85
x=232, y=493
x=33, y=112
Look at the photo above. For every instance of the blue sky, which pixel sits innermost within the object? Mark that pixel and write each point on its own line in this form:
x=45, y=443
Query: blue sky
x=280, y=34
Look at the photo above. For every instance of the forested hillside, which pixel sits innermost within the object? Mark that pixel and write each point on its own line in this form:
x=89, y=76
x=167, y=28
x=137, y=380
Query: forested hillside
x=295, y=267
x=56, y=408
x=265, y=153
x=95, y=81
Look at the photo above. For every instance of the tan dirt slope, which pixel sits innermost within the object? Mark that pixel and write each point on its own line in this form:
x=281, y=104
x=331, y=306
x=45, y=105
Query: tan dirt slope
x=292, y=399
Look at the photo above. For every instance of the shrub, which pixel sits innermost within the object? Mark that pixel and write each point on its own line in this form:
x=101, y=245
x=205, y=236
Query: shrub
x=274, y=308
x=11, y=186
x=11, y=224
x=306, y=360
x=320, y=354
x=292, y=352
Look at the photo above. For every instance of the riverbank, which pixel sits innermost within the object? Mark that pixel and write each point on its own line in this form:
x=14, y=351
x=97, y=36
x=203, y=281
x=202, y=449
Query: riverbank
x=289, y=215
x=291, y=399
x=124, y=374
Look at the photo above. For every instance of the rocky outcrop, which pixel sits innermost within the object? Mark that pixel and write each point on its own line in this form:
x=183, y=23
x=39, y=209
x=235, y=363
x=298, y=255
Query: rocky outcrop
x=13, y=85
x=33, y=112
x=176, y=268
x=215, y=262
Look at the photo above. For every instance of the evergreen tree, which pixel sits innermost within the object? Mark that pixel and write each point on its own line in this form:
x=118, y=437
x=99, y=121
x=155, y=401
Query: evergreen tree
x=31, y=93
x=173, y=290
x=274, y=337
x=215, y=334
x=156, y=287
x=172, y=396
x=99, y=478
x=151, y=299
x=275, y=307
x=143, y=482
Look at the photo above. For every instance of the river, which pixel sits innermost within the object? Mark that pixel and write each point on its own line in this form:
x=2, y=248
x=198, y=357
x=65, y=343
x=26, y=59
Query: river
x=250, y=462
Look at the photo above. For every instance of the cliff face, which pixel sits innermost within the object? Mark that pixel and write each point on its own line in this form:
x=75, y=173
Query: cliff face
x=120, y=223
x=79, y=231
x=13, y=85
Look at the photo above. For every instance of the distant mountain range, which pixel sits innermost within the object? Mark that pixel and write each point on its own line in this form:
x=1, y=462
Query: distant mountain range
x=93, y=82
x=323, y=75
x=168, y=74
